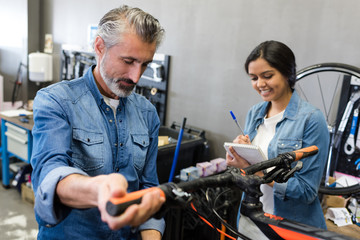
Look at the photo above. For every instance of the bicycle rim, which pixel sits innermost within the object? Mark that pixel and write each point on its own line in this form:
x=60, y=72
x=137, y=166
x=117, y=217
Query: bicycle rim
x=321, y=85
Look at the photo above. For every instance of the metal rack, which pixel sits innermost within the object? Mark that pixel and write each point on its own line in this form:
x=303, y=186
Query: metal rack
x=344, y=162
x=74, y=63
x=153, y=84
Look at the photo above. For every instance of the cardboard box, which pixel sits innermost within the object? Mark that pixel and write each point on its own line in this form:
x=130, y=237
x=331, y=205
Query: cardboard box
x=331, y=180
x=163, y=140
x=27, y=194
x=335, y=201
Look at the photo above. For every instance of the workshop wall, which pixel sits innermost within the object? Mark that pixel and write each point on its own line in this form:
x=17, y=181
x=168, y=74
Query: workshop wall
x=208, y=41
x=19, y=36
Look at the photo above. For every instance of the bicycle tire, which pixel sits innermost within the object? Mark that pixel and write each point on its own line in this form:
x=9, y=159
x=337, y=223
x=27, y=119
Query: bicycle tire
x=327, y=94
x=322, y=67
x=340, y=191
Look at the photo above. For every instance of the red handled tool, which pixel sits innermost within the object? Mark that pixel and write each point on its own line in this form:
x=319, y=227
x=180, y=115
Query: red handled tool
x=116, y=206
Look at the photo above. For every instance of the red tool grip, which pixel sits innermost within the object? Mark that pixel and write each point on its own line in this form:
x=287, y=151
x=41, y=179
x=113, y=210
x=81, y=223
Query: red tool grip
x=116, y=206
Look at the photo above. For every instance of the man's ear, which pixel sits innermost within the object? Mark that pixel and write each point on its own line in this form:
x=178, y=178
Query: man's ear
x=99, y=46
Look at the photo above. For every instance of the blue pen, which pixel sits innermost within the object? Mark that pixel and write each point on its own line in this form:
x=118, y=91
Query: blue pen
x=233, y=116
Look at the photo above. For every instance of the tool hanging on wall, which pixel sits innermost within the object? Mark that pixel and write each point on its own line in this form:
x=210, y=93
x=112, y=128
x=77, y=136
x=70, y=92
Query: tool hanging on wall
x=357, y=164
x=349, y=146
x=357, y=145
x=18, y=83
x=153, y=84
x=68, y=63
x=157, y=72
x=338, y=135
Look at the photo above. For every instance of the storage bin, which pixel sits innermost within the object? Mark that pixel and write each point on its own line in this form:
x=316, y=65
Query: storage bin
x=17, y=140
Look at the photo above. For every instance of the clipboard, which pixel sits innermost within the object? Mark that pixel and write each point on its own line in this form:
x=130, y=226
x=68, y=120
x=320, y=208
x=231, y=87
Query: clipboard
x=251, y=153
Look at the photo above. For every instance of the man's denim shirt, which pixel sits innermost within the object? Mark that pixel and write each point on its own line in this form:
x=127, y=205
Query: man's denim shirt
x=75, y=132
x=302, y=126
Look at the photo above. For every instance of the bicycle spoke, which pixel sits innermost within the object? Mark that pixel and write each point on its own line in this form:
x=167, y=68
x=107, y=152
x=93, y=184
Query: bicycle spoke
x=333, y=98
x=322, y=98
x=302, y=92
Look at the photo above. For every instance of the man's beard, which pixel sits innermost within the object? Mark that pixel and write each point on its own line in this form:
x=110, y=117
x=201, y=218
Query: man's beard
x=115, y=85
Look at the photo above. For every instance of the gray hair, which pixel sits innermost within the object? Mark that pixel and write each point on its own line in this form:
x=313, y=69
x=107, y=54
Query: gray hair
x=120, y=20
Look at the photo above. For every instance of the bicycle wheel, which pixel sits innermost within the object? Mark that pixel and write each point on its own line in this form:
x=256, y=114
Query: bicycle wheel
x=322, y=84
x=328, y=86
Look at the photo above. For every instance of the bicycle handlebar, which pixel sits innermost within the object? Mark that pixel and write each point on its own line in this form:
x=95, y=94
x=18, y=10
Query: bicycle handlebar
x=283, y=158
x=172, y=191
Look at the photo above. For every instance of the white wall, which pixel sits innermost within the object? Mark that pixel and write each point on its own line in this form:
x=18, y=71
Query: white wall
x=13, y=41
x=209, y=40
x=19, y=35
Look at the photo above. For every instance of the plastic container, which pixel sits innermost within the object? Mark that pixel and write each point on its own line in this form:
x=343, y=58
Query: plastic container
x=40, y=67
x=193, y=149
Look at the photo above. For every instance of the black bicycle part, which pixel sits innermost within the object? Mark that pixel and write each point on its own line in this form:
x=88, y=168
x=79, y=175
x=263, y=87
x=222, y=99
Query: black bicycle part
x=275, y=227
x=177, y=193
x=325, y=67
x=344, y=191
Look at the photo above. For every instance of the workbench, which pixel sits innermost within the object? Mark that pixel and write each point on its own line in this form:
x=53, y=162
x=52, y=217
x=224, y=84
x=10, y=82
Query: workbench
x=16, y=140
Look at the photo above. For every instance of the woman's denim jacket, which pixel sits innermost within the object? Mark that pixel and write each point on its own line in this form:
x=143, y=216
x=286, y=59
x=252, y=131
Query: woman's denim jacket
x=302, y=125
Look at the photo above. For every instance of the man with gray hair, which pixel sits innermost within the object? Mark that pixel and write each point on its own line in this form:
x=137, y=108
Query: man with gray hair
x=94, y=138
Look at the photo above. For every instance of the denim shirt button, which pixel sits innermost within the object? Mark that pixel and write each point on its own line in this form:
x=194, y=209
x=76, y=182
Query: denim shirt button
x=110, y=120
x=120, y=120
x=121, y=144
x=115, y=144
x=117, y=169
x=48, y=225
x=107, y=109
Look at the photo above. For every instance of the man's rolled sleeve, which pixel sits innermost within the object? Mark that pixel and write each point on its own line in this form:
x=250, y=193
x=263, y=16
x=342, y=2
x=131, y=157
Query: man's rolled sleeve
x=153, y=224
x=47, y=207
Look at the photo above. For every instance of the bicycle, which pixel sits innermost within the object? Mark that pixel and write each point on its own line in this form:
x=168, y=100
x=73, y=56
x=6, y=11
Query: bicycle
x=274, y=227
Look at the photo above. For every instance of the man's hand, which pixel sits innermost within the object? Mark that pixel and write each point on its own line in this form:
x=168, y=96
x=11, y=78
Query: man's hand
x=80, y=191
x=115, y=185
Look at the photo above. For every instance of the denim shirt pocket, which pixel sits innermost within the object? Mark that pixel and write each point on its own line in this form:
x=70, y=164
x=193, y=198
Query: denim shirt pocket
x=140, y=148
x=287, y=145
x=88, y=149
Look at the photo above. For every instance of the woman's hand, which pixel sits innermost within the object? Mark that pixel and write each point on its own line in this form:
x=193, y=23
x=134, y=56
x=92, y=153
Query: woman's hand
x=242, y=139
x=238, y=161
